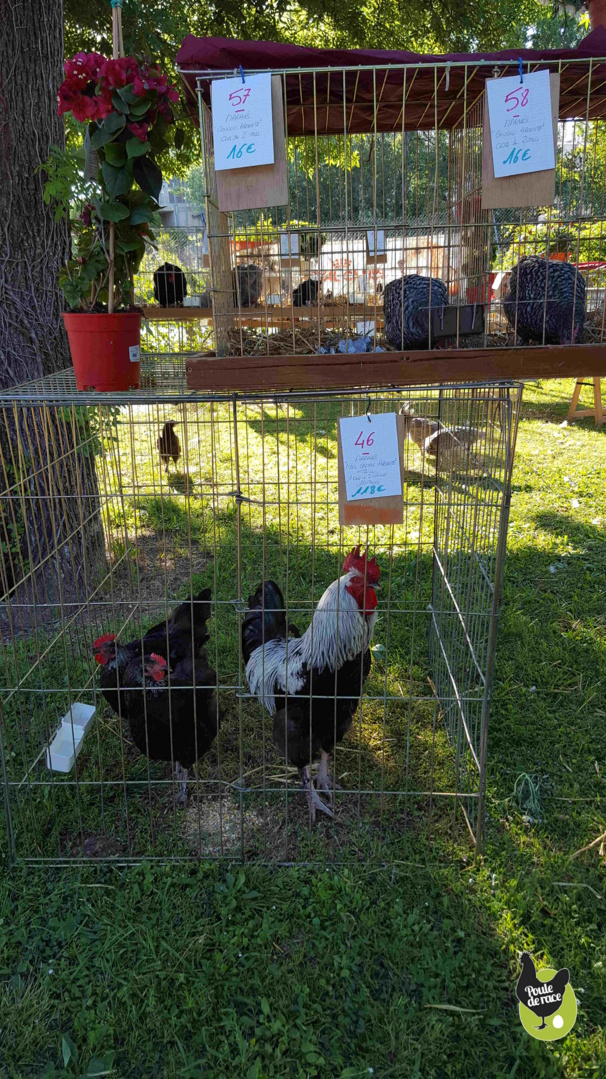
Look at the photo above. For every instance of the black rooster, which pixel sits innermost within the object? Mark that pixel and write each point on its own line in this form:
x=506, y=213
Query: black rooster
x=171, y=708
x=305, y=294
x=546, y=301
x=247, y=280
x=311, y=684
x=542, y=998
x=170, y=286
x=168, y=444
x=406, y=304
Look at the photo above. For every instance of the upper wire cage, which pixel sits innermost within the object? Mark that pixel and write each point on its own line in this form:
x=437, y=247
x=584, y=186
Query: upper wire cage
x=385, y=181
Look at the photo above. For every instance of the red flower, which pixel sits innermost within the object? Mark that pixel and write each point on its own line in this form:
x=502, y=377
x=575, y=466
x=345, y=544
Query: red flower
x=139, y=130
x=118, y=73
x=172, y=94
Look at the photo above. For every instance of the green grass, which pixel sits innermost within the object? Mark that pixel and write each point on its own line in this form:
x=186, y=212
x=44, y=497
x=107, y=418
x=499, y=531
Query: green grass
x=222, y=970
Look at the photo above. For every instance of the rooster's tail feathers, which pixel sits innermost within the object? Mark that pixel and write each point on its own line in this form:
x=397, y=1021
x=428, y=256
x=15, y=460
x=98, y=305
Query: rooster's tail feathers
x=196, y=612
x=265, y=618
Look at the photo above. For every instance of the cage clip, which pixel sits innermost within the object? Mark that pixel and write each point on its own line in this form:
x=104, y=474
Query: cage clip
x=368, y=411
x=244, y=80
x=447, y=84
x=521, y=70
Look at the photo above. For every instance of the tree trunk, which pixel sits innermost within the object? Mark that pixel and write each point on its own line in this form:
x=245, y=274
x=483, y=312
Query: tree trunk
x=48, y=485
x=33, y=245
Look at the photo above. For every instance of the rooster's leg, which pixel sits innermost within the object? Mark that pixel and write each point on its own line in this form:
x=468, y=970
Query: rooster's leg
x=325, y=781
x=313, y=798
x=181, y=777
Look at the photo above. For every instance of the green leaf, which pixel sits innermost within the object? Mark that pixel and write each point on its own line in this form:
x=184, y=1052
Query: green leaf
x=119, y=104
x=136, y=148
x=68, y=1050
x=113, y=211
x=140, y=214
x=116, y=180
x=127, y=93
x=148, y=176
x=115, y=153
x=265, y=1006
x=139, y=108
x=179, y=138
x=110, y=127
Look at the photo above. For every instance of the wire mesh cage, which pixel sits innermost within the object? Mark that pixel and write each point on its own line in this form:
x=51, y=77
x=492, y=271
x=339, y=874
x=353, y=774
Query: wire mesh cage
x=385, y=183
x=108, y=525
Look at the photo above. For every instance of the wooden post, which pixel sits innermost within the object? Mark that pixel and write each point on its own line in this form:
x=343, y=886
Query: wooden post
x=117, y=50
x=217, y=226
x=597, y=411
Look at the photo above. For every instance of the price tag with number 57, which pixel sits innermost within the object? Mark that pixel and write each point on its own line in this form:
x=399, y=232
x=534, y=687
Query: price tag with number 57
x=371, y=456
x=243, y=132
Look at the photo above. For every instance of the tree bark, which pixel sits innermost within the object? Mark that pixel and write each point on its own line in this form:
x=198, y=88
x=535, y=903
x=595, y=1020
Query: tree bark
x=48, y=485
x=33, y=246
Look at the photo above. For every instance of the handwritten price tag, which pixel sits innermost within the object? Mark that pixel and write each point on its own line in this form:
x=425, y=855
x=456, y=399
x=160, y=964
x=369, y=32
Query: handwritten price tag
x=371, y=457
x=242, y=122
x=521, y=125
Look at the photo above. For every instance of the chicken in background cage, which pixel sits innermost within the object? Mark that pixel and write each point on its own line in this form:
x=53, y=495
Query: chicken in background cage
x=200, y=662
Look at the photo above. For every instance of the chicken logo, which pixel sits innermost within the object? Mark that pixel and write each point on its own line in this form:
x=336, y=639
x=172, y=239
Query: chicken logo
x=548, y=1007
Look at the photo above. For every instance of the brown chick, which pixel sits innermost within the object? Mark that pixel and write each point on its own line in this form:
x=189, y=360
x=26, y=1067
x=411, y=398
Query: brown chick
x=417, y=429
x=168, y=444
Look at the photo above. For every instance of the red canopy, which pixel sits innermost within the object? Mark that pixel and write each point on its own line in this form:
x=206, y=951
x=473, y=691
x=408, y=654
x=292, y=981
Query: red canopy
x=406, y=86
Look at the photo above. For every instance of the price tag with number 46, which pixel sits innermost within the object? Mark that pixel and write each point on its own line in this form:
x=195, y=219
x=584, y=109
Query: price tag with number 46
x=371, y=456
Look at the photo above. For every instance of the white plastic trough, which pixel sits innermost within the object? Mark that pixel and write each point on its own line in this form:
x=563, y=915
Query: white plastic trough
x=67, y=743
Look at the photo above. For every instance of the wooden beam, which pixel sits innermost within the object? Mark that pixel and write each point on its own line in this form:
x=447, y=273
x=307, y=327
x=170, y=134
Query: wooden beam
x=276, y=316
x=371, y=369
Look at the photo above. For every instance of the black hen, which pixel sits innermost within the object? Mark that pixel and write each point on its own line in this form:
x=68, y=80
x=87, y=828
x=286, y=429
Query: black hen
x=546, y=301
x=311, y=684
x=406, y=304
x=247, y=280
x=543, y=998
x=171, y=708
x=170, y=286
x=305, y=294
x=168, y=444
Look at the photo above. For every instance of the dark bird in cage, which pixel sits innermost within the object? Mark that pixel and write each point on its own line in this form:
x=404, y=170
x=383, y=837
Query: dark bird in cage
x=247, y=280
x=546, y=301
x=171, y=706
x=170, y=286
x=330, y=663
x=542, y=998
x=406, y=304
x=305, y=294
x=168, y=444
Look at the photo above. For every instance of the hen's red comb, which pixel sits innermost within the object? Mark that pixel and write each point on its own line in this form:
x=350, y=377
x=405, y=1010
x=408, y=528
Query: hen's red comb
x=107, y=638
x=364, y=566
x=158, y=659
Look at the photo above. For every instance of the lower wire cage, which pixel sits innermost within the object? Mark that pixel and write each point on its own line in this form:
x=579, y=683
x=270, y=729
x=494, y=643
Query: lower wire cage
x=103, y=532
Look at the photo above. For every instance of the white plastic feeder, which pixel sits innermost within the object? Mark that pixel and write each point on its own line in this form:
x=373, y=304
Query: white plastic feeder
x=67, y=743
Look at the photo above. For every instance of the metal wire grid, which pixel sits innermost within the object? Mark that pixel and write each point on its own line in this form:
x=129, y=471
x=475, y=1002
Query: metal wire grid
x=254, y=495
x=419, y=185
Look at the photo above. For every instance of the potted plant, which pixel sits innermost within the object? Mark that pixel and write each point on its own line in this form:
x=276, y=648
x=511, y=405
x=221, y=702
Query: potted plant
x=128, y=111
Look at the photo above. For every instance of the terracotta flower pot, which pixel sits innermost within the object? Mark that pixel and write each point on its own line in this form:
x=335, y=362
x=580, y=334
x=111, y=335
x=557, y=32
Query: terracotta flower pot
x=105, y=350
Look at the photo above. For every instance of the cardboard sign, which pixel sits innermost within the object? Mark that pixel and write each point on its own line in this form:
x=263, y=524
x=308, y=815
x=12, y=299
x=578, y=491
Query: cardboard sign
x=530, y=189
x=520, y=124
x=289, y=245
x=368, y=509
x=243, y=133
x=263, y=185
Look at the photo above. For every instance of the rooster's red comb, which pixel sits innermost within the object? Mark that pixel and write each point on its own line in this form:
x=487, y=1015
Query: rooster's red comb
x=107, y=638
x=363, y=565
x=161, y=662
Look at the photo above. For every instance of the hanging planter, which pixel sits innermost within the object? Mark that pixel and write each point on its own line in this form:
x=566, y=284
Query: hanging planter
x=105, y=350
x=128, y=110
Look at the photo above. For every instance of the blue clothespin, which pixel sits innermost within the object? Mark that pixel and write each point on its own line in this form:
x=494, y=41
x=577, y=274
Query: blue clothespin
x=242, y=72
x=521, y=71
